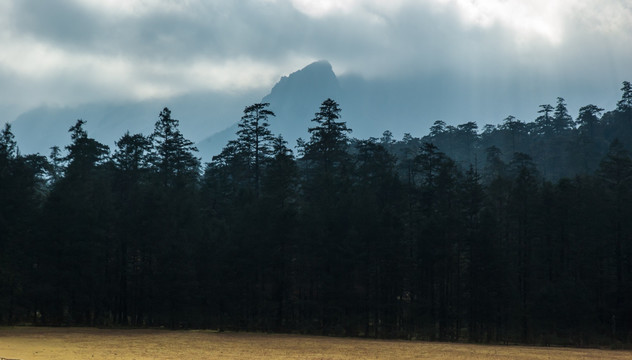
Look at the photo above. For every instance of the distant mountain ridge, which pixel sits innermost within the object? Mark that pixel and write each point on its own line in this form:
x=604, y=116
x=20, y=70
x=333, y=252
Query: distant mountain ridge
x=369, y=106
x=200, y=115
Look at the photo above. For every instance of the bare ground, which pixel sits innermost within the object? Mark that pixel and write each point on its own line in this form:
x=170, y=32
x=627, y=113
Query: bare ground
x=27, y=343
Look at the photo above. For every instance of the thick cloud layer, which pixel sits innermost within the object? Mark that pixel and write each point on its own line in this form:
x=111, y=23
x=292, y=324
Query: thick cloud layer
x=69, y=52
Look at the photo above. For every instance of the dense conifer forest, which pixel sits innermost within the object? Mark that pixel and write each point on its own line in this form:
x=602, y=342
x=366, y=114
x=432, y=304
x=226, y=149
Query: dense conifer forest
x=519, y=232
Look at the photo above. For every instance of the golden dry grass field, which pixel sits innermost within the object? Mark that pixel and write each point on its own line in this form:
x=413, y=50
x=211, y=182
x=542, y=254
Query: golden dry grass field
x=26, y=343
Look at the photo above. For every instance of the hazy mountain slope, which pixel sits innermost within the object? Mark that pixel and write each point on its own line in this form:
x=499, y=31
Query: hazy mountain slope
x=200, y=115
x=369, y=106
x=294, y=100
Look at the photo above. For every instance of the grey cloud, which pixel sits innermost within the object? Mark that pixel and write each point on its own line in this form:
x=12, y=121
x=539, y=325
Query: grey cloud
x=213, y=31
x=415, y=42
x=416, y=36
x=261, y=31
x=60, y=22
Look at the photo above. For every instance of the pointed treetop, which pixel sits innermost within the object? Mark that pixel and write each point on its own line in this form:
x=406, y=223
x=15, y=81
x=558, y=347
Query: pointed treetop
x=8, y=146
x=625, y=103
x=561, y=119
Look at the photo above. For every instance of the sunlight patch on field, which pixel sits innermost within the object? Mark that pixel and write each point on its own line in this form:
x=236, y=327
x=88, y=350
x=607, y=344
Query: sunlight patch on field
x=85, y=343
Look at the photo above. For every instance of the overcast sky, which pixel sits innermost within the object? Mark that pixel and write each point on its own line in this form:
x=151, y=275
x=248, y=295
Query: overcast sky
x=69, y=52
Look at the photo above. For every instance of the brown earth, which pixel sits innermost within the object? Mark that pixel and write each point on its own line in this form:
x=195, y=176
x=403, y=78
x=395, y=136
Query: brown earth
x=26, y=343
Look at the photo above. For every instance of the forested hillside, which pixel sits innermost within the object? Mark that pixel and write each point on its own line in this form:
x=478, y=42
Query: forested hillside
x=512, y=233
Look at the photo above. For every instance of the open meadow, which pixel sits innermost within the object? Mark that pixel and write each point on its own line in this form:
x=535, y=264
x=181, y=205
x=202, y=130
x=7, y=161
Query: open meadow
x=27, y=343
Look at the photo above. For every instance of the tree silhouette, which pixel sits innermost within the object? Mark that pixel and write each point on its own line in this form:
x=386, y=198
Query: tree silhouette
x=562, y=121
x=173, y=153
x=254, y=139
x=625, y=104
x=328, y=141
x=545, y=122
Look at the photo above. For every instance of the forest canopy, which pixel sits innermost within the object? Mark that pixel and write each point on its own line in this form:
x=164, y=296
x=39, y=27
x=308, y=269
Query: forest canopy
x=518, y=232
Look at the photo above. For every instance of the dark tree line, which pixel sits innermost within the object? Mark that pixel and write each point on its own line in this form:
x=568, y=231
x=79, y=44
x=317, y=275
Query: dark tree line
x=519, y=233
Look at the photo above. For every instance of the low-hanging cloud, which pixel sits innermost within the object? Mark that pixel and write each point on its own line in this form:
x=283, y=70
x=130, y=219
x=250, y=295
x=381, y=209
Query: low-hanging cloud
x=74, y=51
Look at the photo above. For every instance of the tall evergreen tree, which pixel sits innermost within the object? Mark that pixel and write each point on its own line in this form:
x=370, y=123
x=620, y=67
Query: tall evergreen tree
x=84, y=153
x=78, y=255
x=133, y=153
x=562, y=121
x=523, y=231
x=173, y=157
x=625, y=104
x=616, y=172
x=327, y=195
x=588, y=119
x=588, y=146
x=328, y=142
x=8, y=285
x=254, y=139
x=174, y=218
x=544, y=122
x=514, y=130
x=131, y=172
x=8, y=146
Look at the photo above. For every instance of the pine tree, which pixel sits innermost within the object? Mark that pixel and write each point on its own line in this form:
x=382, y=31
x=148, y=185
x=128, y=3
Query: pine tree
x=625, y=104
x=173, y=154
x=131, y=161
x=77, y=222
x=328, y=142
x=173, y=218
x=84, y=153
x=255, y=139
x=544, y=122
x=22, y=188
x=588, y=119
x=562, y=121
x=615, y=171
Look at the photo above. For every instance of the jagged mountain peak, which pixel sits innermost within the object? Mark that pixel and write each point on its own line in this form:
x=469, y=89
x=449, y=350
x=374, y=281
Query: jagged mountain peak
x=316, y=78
x=294, y=99
x=317, y=68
